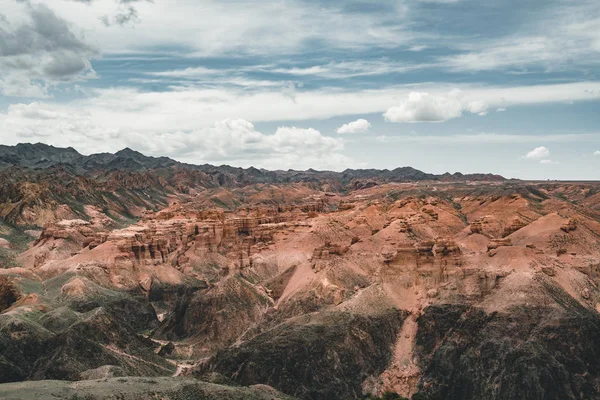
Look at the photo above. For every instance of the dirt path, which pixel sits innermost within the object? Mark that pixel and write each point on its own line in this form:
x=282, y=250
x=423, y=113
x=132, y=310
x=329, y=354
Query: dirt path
x=121, y=353
x=181, y=366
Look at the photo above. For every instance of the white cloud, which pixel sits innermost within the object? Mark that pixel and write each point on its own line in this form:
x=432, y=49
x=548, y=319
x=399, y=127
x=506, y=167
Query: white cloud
x=234, y=141
x=382, y=138
x=425, y=107
x=538, y=153
x=597, y=153
x=500, y=109
x=358, y=126
x=547, y=161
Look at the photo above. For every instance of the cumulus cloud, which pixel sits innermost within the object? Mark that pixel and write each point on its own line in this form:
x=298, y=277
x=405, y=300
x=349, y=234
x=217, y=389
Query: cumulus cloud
x=236, y=141
x=39, y=52
x=358, y=126
x=425, y=107
x=233, y=141
x=539, y=153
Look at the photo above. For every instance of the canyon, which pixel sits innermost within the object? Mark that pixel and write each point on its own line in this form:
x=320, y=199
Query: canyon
x=126, y=276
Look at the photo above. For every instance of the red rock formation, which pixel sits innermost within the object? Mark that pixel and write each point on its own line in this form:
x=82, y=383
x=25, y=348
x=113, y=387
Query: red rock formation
x=495, y=243
x=477, y=226
x=514, y=226
x=569, y=226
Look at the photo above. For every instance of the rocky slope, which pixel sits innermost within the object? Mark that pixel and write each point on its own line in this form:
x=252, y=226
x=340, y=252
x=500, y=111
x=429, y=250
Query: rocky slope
x=321, y=290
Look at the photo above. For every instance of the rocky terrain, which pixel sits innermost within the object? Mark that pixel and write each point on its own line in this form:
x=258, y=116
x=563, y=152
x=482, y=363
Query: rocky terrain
x=125, y=276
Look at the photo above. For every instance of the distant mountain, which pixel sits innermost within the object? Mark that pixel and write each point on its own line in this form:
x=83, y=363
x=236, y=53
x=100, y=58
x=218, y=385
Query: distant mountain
x=36, y=155
x=42, y=156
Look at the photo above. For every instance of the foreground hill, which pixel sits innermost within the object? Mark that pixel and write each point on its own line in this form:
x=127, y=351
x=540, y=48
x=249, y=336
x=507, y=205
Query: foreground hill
x=131, y=388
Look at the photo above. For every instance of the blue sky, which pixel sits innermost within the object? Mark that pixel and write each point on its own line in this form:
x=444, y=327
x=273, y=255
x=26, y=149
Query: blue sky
x=509, y=87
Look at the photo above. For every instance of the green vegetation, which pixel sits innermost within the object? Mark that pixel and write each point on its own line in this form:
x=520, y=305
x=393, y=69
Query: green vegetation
x=16, y=235
x=76, y=206
x=219, y=203
x=18, y=243
x=8, y=259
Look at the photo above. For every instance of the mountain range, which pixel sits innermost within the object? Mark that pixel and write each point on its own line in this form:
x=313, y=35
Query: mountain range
x=42, y=156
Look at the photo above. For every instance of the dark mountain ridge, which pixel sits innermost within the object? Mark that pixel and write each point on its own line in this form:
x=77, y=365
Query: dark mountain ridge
x=42, y=156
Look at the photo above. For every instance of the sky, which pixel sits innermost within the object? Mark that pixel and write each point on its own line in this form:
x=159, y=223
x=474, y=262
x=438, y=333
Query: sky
x=509, y=87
